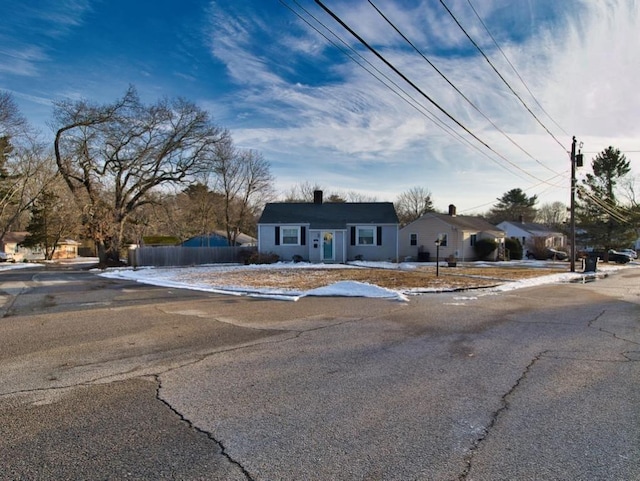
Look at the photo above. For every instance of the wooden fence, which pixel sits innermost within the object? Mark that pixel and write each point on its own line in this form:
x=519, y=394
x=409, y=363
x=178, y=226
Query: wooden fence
x=187, y=256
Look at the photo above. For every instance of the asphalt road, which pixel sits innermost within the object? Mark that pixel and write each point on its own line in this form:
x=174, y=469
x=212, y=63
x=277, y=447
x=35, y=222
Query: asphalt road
x=104, y=379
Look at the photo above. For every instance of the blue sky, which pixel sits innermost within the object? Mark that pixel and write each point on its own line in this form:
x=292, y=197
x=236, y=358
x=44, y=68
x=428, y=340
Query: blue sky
x=318, y=116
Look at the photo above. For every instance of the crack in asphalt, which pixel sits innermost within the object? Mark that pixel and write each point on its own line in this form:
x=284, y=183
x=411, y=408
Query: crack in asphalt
x=219, y=443
x=628, y=355
x=611, y=333
x=504, y=406
x=114, y=377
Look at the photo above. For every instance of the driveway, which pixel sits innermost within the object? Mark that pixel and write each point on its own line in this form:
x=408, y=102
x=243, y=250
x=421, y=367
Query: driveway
x=106, y=379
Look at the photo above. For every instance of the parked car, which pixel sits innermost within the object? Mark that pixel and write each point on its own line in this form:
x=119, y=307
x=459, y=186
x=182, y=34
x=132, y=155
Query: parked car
x=549, y=254
x=4, y=257
x=630, y=252
x=614, y=256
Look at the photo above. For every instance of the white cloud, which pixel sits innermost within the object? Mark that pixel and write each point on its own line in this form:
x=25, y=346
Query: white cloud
x=581, y=67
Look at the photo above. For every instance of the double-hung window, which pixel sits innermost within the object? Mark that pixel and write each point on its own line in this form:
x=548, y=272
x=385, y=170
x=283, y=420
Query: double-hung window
x=443, y=240
x=290, y=236
x=413, y=239
x=366, y=236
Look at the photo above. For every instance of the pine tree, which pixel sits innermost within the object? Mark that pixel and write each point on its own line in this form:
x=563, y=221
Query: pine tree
x=514, y=205
x=604, y=221
x=49, y=224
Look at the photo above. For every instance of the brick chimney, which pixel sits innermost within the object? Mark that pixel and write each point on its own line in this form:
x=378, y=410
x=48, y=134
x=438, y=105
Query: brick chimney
x=452, y=210
x=317, y=197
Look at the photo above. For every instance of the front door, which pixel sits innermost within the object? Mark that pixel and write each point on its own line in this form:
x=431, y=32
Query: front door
x=327, y=246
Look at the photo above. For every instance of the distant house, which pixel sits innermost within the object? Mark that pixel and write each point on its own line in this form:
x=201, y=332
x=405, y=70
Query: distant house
x=10, y=244
x=457, y=235
x=329, y=232
x=528, y=232
x=218, y=238
x=66, y=249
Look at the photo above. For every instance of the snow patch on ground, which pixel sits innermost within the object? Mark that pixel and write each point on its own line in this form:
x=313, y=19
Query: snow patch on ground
x=179, y=277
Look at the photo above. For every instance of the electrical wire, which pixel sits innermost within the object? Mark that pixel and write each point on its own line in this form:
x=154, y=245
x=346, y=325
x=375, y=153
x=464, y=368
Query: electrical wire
x=404, y=37
x=611, y=210
x=514, y=69
x=413, y=103
x=420, y=91
x=499, y=75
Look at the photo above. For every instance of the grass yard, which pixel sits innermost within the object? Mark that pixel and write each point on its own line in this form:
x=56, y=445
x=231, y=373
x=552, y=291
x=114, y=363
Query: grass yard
x=421, y=277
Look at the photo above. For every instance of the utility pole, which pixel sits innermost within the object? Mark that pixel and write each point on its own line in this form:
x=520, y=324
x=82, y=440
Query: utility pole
x=572, y=208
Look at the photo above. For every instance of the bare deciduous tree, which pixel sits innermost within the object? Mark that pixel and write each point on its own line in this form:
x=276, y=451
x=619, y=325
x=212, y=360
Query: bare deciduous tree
x=113, y=157
x=25, y=166
x=552, y=214
x=244, y=180
x=412, y=204
x=302, y=192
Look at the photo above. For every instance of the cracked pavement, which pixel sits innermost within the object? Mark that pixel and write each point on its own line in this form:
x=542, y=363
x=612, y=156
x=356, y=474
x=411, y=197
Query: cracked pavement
x=113, y=380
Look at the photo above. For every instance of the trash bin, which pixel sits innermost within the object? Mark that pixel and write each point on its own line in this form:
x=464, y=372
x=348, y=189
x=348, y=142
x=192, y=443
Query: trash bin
x=423, y=256
x=590, y=264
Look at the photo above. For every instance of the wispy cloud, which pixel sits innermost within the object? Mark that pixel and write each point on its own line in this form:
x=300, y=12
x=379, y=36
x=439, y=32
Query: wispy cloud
x=30, y=27
x=576, y=61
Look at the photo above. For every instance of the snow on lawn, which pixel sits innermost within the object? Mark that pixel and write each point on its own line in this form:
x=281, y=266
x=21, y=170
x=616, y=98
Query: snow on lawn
x=188, y=278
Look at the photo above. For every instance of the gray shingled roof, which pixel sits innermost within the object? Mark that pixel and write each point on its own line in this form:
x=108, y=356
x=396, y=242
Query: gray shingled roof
x=467, y=222
x=532, y=227
x=329, y=215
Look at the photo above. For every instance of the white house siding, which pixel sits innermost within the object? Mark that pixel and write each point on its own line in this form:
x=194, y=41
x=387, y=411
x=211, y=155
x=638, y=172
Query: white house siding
x=551, y=239
x=386, y=251
x=267, y=243
x=343, y=250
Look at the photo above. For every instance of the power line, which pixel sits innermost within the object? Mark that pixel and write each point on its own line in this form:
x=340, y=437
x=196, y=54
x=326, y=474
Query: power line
x=514, y=69
x=413, y=103
x=611, y=210
x=524, y=190
x=499, y=75
x=456, y=88
x=412, y=84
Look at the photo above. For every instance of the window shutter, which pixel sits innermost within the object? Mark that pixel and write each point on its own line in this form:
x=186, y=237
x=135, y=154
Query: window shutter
x=277, y=235
x=353, y=235
x=303, y=236
x=379, y=236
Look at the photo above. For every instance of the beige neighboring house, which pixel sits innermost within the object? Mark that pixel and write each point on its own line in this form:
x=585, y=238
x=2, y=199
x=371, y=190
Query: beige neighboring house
x=10, y=244
x=457, y=235
x=66, y=249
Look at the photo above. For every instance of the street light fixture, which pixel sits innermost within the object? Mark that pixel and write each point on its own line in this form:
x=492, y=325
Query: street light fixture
x=437, y=256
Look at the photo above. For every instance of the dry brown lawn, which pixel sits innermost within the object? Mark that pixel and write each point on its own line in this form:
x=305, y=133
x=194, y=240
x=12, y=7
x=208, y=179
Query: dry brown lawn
x=419, y=278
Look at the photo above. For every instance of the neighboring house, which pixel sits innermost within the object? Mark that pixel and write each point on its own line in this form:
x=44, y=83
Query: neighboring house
x=457, y=235
x=66, y=249
x=218, y=238
x=329, y=232
x=527, y=232
x=10, y=244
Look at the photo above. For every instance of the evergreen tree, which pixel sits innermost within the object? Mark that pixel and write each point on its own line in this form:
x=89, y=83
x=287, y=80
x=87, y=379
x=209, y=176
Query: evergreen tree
x=514, y=205
x=604, y=221
x=50, y=223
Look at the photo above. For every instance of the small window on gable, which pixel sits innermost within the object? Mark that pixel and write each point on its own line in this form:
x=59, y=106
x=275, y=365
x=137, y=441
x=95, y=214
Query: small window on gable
x=366, y=236
x=290, y=236
x=473, y=239
x=443, y=240
x=413, y=239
